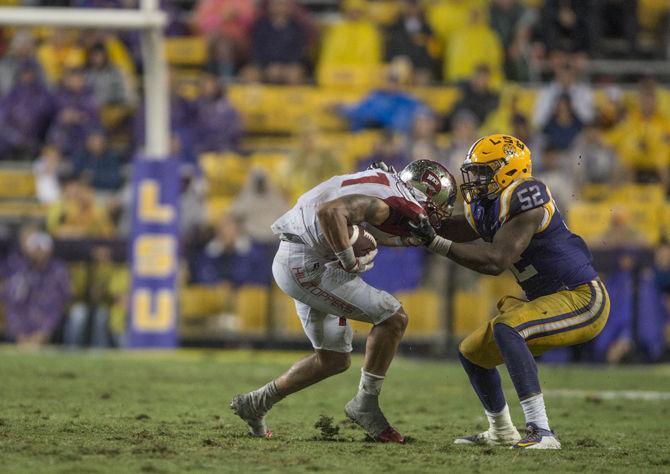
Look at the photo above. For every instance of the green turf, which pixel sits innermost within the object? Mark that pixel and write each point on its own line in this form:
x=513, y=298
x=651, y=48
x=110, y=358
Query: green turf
x=157, y=412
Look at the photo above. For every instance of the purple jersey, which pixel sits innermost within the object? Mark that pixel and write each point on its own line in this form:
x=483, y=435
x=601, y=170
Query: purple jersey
x=555, y=258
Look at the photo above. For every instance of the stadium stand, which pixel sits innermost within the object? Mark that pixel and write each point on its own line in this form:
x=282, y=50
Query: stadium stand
x=298, y=136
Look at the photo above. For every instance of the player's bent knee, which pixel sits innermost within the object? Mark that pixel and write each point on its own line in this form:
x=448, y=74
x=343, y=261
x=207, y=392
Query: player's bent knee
x=471, y=350
x=466, y=349
x=501, y=330
x=334, y=362
x=397, y=323
x=464, y=355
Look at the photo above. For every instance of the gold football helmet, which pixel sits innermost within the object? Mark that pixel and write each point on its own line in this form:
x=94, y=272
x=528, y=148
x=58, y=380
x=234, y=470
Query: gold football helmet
x=492, y=164
x=436, y=183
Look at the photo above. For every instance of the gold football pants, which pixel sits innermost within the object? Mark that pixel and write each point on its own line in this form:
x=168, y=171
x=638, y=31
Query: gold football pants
x=565, y=318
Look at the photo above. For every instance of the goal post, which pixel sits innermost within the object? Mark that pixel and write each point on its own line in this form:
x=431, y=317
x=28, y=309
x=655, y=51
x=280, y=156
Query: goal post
x=154, y=238
x=149, y=21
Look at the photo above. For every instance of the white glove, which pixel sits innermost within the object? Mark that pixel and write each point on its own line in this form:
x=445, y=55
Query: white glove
x=352, y=264
x=380, y=165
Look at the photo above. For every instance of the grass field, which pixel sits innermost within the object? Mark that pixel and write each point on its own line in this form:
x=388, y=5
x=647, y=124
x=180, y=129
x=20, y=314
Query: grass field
x=168, y=412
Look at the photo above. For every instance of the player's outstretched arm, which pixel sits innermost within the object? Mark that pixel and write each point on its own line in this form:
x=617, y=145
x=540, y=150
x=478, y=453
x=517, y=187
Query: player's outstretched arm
x=387, y=240
x=491, y=258
x=457, y=229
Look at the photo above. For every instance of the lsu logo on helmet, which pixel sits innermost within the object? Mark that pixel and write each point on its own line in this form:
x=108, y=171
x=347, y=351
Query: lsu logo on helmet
x=492, y=164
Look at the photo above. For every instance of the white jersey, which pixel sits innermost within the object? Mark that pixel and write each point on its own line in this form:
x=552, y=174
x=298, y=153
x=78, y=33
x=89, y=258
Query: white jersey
x=301, y=221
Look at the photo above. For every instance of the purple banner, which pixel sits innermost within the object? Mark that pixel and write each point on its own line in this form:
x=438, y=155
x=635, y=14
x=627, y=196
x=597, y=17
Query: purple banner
x=154, y=243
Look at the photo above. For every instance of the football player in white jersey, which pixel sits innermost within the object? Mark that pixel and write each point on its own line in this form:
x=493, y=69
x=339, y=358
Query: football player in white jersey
x=316, y=266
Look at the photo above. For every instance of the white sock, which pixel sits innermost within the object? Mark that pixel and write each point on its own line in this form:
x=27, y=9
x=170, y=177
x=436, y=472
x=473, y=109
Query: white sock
x=370, y=384
x=501, y=421
x=535, y=412
x=266, y=396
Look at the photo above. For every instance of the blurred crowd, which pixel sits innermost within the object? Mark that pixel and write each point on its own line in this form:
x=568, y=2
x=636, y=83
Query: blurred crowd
x=72, y=109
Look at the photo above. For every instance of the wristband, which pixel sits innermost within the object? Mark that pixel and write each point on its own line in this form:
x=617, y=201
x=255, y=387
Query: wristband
x=440, y=246
x=347, y=258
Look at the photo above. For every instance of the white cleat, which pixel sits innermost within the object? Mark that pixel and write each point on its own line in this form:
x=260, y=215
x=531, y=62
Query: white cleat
x=491, y=438
x=243, y=406
x=538, y=438
x=365, y=412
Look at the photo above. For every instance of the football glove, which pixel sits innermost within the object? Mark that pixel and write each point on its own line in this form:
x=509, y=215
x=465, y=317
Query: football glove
x=422, y=230
x=380, y=165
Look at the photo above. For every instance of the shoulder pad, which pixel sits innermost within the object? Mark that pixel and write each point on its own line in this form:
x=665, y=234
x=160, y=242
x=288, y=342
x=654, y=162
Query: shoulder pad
x=522, y=196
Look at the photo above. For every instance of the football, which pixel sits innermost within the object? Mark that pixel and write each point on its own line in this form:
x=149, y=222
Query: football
x=361, y=240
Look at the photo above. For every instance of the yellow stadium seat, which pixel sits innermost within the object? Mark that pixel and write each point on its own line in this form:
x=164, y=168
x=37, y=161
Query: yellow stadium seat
x=252, y=308
x=327, y=98
x=440, y=99
x=16, y=184
x=595, y=192
x=273, y=109
x=466, y=316
x=198, y=301
x=590, y=220
x=262, y=143
x=645, y=193
x=216, y=207
x=286, y=321
x=348, y=147
x=186, y=51
x=425, y=313
x=357, y=146
x=186, y=82
x=646, y=218
x=383, y=12
x=350, y=75
x=665, y=221
x=22, y=210
x=225, y=172
x=593, y=221
x=270, y=162
x=286, y=108
x=251, y=103
x=513, y=100
x=362, y=143
x=112, y=116
x=337, y=142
